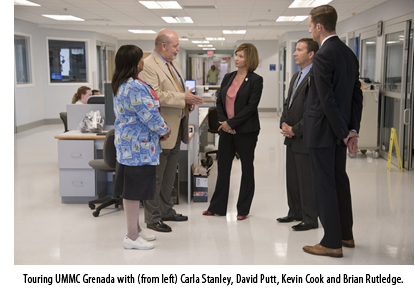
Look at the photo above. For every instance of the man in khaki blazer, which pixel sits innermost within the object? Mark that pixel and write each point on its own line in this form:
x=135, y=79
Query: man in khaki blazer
x=176, y=102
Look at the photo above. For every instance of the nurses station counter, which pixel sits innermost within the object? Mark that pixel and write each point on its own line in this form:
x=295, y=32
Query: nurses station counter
x=80, y=183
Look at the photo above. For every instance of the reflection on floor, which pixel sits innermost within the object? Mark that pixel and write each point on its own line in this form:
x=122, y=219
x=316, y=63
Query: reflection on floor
x=59, y=233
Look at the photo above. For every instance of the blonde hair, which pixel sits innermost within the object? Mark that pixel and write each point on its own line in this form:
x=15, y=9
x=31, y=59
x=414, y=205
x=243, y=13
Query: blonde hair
x=251, y=56
x=81, y=91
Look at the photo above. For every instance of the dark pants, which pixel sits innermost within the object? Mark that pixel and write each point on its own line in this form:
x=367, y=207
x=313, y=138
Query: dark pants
x=300, y=195
x=332, y=193
x=162, y=204
x=244, y=144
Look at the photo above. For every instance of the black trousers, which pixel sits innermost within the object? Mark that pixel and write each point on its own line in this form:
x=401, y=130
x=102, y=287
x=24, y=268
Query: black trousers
x=300, y=195
x=244, y=144
x=332, y=194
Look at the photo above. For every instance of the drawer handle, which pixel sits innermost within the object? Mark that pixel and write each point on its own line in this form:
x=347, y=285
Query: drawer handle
x=77, y=183
x=76, y=155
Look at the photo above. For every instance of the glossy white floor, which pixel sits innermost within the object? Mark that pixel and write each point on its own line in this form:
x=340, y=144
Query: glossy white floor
x=49, y=232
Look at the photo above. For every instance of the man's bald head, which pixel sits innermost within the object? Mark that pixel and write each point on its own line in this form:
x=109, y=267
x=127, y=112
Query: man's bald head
x=167, y=44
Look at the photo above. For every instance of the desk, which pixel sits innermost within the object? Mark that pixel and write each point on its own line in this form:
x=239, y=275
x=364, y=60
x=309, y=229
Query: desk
x=78, y=182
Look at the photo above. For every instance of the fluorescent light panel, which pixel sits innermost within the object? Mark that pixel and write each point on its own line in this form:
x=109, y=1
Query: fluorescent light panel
x=209, y=49
x=25, y=3
x=234, y=31
x=203, y=45
x=308, y=3
x=161, y=4
x=215, y=38
x=298, y=18
x=200, y=41
x=178, y=20
x=63, y=17
x=142, y=31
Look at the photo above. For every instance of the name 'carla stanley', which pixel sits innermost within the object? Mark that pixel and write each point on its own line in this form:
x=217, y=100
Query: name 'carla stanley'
x=206, y=279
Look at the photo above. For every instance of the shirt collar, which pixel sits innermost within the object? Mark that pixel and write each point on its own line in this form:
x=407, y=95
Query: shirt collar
x=164, y=60
x=330, y=36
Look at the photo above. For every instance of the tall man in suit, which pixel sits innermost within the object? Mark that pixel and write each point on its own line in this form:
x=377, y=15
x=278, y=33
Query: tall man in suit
x=298, y=175
x=332, y=114
x=164, y=75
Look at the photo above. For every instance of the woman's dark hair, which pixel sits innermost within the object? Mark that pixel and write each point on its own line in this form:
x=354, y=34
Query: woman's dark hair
x=126, y=62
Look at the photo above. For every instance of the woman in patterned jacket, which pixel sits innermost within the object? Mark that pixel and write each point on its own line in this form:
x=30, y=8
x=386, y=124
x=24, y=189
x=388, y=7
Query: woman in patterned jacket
x=139, y=128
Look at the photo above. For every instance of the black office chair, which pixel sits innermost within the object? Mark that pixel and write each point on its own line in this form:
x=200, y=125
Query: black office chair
x=213, y=125
x=96, y=99
x=213, y=121
x=64, y=118
x=107, y=164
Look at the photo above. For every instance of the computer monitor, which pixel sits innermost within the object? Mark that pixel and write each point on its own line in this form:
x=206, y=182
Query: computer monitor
x=96, y=99
x=109, y=105
x=190, y=84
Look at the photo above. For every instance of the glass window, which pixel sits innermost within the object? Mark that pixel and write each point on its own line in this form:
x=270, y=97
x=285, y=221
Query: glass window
x=354, y=45
x=22, y=59
x=369, y=58
x=394, y=61
x=67, y=61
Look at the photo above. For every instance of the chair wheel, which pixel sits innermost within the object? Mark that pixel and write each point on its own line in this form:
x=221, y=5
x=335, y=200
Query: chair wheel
x=95, y=213
x=91, y=206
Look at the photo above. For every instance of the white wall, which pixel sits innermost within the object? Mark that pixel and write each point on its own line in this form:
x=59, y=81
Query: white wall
x=268, y=54
x=43, y=100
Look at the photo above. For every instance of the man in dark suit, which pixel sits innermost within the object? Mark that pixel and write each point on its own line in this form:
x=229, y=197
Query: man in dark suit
x=332, y=114
x=298, y=175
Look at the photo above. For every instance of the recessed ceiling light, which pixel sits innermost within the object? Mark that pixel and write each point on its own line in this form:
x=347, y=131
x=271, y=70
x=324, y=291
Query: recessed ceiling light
x=63, y=17
x=203, y=45
x=200, y=41
x=308, y=3
x=142, y=31
x=161, y=4
x=298, y=18
x=183, y=39
x=209, y=49
x=234, y=31
x=24, y=2
x=215, y=38
x=178, y=20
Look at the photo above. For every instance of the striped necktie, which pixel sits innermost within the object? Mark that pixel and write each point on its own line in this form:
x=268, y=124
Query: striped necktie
x=177, y=83
x=295, y=89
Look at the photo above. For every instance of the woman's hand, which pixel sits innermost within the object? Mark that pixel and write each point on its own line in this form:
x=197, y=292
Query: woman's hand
x=165, y=136
x=225, y=127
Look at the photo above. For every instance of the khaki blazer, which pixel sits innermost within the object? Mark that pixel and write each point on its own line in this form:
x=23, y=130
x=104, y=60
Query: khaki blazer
x=158, y=76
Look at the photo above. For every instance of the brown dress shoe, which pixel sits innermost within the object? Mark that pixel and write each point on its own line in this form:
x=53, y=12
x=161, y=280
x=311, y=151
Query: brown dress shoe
x=240, y=217
x=348, y=243
x=208, y=213
x=320, y=250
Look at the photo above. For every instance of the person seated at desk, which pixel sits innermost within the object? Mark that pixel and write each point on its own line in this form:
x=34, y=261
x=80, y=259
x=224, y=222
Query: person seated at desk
x=96, y=92
x=81, y=96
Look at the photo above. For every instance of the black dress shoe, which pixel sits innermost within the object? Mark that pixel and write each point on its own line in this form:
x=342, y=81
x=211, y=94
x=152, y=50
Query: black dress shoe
x=287, y=219
x=177, y=217
x=304, y=227
x=159, y=227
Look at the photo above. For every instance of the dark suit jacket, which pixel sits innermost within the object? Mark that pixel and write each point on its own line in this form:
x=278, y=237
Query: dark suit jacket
x=293, y=115
x=246, y=117
x=334, y=101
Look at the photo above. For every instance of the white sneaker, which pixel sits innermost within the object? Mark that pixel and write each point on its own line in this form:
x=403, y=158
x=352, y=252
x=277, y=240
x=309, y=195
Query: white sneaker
x=147, y=236
x=139, y=244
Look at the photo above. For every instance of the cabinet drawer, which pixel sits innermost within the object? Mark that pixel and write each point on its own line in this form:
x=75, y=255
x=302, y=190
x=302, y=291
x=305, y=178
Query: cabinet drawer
x=77, y=182
x=75, y=153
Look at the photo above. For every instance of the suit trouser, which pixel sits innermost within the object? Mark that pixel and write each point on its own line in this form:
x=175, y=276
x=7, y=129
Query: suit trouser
x=300, y=196
x=162, y=204
x=332, y=193
x=244, y=144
